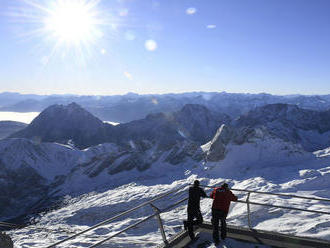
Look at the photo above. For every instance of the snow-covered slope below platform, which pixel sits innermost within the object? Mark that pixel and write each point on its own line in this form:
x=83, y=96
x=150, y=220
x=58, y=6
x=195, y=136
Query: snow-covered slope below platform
x=34, y=172
x=310, y=178
x=104, y=180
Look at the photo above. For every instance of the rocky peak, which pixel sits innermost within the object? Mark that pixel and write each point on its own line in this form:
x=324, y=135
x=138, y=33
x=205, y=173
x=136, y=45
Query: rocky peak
x=199, y=123
x=63, y=123
x=215, y=149
x=194, y=109
x=290, y=123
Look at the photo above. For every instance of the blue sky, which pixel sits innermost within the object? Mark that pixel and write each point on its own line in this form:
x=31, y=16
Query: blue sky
x=273, y=46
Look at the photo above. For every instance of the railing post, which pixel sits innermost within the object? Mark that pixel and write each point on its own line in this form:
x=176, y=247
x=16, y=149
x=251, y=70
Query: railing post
x=160, y=223
x=248, y=210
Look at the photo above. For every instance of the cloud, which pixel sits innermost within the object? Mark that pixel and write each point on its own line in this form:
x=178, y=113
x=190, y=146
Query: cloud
x=151, y=45
x=211, y=26
x=191, y=11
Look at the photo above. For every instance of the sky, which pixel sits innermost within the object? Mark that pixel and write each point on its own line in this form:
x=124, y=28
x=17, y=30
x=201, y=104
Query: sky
x=153, y=46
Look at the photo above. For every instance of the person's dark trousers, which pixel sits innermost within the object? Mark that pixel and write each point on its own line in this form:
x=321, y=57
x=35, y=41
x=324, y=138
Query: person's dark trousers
x=193, y=214
x=219, y=215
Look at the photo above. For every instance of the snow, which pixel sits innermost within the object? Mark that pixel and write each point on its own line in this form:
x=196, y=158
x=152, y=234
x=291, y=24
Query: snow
x=182, y=134
x=88, y=209
x=323, y=153
x=49, y=159
x=112, y=123
x=264, y=164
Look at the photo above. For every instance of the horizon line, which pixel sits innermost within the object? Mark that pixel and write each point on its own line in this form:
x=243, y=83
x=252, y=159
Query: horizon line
x=167, y=93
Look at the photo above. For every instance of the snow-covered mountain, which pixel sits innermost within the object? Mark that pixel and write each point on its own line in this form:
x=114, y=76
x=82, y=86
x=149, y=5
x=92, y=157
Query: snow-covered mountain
x=55, y=169
x=27, y=170
x=72, y=124
x=196, y=123
x=263, y=163
x=152, y=155
x=193, y=122
x=66, y=124
x=9, y=127
x=309, y=128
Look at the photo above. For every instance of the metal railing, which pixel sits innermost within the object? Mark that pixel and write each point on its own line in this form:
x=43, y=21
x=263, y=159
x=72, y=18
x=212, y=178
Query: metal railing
x=248, y=202
x=157, y=212
x=121, y=215
x=9, y=225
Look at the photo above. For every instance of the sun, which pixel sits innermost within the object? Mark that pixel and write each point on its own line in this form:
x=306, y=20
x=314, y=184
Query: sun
x=73, y=22
x=67, y=30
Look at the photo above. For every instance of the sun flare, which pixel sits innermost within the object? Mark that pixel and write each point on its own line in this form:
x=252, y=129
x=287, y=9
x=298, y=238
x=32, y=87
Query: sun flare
x=73, y=22
x=71, y=30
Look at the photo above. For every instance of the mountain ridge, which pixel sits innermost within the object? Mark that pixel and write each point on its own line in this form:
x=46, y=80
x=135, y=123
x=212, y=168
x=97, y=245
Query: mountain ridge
x=125, y=108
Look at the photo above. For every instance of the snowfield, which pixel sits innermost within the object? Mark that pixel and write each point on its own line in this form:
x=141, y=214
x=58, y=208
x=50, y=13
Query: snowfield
x=302, y=174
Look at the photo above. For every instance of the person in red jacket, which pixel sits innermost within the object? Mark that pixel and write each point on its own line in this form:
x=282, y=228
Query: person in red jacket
x=221, y=201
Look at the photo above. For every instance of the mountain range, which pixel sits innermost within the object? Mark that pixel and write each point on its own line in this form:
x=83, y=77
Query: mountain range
x=71, y=124
x=129, y=107
x=68, y=151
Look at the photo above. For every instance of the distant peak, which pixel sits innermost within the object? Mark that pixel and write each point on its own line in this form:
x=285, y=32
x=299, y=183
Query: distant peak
x=193, y=107
x=74, y=105
x=71, y=106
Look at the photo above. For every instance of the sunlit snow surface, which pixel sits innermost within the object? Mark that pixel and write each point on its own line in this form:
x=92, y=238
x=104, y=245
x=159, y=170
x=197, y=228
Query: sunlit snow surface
x=89, y=209
x=289, y=173
x=112, y=123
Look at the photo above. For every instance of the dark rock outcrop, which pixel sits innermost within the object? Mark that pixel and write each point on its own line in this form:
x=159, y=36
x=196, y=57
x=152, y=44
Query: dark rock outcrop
x=63, y=124
x=216, y=148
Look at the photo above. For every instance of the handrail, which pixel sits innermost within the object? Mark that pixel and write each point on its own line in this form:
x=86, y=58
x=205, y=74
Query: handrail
x=6, y=224
x=285, y=195
x=278, y=194
x=284, y=207
x=158, y=212
x=248, y=202
x=138, y=223
x=118, y=216
x=186, y=198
